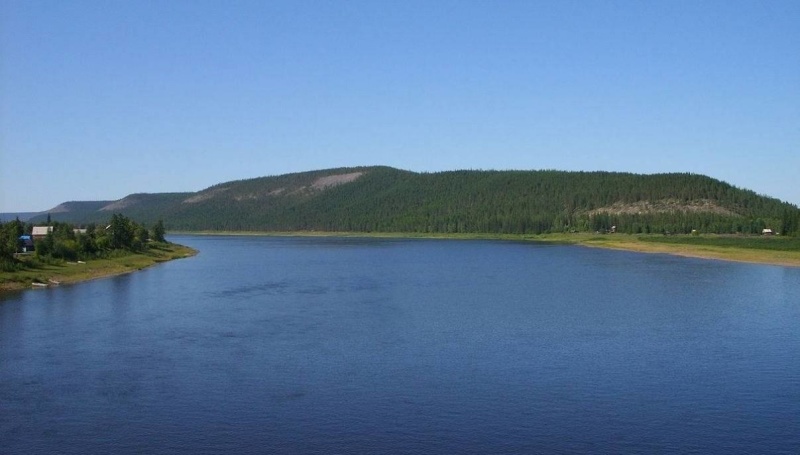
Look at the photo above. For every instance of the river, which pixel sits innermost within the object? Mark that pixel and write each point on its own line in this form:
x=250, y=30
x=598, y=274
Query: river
x=342, y=345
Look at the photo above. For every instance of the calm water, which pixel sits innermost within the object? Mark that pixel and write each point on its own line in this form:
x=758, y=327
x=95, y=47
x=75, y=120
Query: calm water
x=295, y=345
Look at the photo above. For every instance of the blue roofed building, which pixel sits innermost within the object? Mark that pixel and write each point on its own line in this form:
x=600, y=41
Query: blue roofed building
x=25, y=244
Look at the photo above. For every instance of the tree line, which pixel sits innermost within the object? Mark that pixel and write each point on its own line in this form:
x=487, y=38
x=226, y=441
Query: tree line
x=65, y=242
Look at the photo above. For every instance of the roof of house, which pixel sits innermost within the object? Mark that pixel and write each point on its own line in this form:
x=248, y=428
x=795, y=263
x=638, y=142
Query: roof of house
x=42, y=230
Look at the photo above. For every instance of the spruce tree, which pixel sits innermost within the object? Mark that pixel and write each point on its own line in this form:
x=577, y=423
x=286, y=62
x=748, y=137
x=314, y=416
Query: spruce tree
x=158, y=231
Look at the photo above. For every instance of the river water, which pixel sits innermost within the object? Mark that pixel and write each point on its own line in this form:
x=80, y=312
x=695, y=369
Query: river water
x=334, y=345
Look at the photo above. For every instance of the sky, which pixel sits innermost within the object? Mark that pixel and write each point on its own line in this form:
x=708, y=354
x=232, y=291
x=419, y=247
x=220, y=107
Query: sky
x=101, y=99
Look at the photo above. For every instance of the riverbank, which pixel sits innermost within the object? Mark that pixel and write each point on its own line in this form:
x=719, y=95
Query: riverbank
x=74, y=272
x=750, y=249
x=780, y=251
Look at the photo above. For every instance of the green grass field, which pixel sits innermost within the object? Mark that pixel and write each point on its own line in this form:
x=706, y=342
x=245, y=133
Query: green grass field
x=749, y=242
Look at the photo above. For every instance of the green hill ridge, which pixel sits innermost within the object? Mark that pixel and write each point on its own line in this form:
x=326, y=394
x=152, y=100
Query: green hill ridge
x=384, y=199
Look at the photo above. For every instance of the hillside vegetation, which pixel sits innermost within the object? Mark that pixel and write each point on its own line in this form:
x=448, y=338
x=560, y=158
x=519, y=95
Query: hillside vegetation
x=383, y=199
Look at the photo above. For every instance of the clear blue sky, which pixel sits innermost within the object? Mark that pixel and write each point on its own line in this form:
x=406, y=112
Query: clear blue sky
x=102, y=99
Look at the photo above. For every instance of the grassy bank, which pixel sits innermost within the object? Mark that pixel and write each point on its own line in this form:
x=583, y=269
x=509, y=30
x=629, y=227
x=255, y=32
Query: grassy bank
x=753, y=249
x=63, y=272
x=783, y=251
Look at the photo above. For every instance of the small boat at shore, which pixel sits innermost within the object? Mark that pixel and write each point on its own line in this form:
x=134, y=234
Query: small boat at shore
x=39, y=284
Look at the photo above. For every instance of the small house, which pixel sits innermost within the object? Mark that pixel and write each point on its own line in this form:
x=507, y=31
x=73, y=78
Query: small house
x=767, y=232
x=25, y=244
x=40, y=232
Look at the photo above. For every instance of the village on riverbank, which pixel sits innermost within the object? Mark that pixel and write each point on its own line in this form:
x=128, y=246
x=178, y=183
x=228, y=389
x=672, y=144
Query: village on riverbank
x=59, y=253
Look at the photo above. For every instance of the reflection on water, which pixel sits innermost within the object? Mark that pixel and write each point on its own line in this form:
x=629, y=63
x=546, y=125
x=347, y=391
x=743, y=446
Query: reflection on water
x=412, y=346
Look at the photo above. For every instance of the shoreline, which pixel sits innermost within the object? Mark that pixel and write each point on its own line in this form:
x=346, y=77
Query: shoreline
x=49, y=275
x=624, y=242
x=729, y=254
x=71, y=273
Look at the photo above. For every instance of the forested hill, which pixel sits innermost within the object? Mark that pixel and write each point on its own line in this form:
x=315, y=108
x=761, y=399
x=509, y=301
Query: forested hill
x=383, y=199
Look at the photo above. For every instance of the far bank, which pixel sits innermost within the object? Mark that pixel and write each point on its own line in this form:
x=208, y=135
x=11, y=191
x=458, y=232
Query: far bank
x=775, y=250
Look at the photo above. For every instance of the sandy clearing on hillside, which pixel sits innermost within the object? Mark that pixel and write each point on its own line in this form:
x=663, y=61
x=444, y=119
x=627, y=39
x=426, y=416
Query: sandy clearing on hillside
x=663, y=206
x=120, y=204
x=333, y=180
x=204, y=195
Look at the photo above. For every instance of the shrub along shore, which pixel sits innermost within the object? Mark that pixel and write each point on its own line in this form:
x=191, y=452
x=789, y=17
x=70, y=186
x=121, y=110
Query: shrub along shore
x=55, y=273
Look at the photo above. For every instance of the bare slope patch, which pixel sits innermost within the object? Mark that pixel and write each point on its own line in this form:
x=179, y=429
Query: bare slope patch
x=204, y=195
x=334, y=180
x=60, y=208
x=268, y=189
x=327, y=182
x=664, y=206
x=125, y=202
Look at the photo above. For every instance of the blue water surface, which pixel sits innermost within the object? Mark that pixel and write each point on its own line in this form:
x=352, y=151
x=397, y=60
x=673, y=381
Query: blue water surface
x=342, y=345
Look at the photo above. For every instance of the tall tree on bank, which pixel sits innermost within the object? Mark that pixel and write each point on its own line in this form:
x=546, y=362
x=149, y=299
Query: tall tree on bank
x=121, y=232
x=790, y=221
x=159, y=232
x=8, y=242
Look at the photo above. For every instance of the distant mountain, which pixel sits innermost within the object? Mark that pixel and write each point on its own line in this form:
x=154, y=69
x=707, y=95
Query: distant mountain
x=384, y=199
x=141, y=207
x=11, y=216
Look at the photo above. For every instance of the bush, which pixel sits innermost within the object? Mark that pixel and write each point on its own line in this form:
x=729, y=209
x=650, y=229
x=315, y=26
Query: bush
x=66, y=249
x=9, y=265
